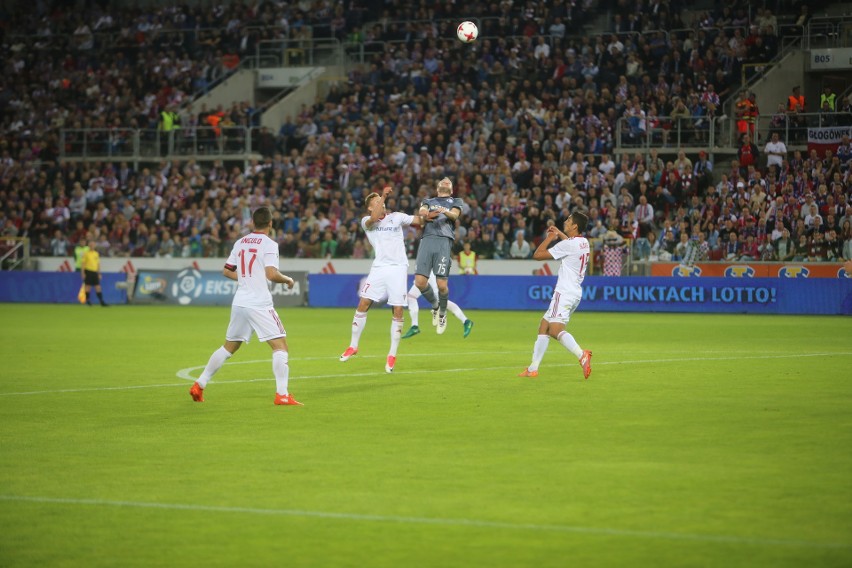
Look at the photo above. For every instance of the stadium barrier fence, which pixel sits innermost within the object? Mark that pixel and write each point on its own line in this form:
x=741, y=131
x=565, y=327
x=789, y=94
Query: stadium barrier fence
x=57, y=287
x=729, y=294
x=623, y=294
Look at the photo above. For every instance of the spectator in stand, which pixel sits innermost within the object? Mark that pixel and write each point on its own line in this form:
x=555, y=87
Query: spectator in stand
x=682, y=247
x=204, y=205
x=502, y=247
x=776, y=151
x=833, y=246
x=644, y=216
x=818, y=251
x=784, y=247
x=59, y=244
x=702, y=172
x=750, y=250
x=802, y=249
x=747, y=155
x=795, y=112
x=520, y=247
x=733, y=249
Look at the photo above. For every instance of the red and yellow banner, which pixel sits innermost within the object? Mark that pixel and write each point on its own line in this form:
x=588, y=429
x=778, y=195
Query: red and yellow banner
x=751, y=270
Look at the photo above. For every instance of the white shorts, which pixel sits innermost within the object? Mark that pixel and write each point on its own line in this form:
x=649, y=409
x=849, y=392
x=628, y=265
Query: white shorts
x=264, y=321
x=561, y=308
x=386, y=283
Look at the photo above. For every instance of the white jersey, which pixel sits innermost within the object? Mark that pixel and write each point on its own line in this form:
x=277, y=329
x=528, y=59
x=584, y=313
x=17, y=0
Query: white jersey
x=249, y=259
x=387, y=239
x=574, y=254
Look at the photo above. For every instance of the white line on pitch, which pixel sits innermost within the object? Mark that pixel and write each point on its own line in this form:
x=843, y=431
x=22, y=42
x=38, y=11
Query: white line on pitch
x=460, y=522
x=186, y=375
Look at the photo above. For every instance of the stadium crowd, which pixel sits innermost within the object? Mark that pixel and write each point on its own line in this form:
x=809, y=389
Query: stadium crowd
x=523, y=121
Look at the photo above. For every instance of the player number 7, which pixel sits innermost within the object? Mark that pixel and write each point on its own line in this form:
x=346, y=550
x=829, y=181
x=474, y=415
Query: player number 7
x=243, y=261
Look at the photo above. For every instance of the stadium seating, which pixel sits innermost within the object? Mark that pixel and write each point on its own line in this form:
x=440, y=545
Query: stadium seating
x=532, y=121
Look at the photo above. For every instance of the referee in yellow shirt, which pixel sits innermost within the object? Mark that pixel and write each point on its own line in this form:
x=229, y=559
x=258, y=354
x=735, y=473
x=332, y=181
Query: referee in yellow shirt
x=92, y=273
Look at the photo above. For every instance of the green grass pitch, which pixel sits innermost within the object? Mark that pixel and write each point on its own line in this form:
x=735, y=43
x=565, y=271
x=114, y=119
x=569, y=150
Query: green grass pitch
x=699, y=440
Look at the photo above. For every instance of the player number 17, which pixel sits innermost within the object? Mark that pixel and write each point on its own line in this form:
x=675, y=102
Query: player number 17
x=243, y=261
x=584, y=260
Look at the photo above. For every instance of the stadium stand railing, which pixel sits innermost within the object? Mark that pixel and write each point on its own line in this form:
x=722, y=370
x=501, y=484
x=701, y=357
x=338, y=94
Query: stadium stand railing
x=667, y=133
x=793, y=129
x=14, y=253
x=828, y=32
x=139, y=145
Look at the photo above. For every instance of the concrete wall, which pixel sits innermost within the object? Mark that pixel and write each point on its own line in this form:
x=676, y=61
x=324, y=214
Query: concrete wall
x=236, y=88
x=306, y=94
x=777, y=84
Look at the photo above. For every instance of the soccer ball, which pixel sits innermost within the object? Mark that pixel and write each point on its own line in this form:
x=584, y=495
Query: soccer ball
x=467, y=32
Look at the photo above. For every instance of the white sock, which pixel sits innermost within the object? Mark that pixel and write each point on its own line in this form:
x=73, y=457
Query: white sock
x=413, y=307
x=359, y=322
x=539, y=349
x=281, y=370
x=456, y=310
x=396, y=334
x=567, y=340
x=213, y=364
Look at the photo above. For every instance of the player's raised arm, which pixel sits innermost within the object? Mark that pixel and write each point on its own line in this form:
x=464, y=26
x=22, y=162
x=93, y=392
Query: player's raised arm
x=541, y=253
x=425, y=214
x=559, y=233
x=452, y=214
x=376, y=206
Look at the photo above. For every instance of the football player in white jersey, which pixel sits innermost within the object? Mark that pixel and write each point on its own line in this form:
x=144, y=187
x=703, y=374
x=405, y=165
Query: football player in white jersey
x=253, y=261
x=414, y=309
x=573, y=252
x=388, y=274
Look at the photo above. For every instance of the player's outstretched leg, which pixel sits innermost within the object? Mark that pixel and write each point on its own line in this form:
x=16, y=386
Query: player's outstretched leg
x=217, y=359
x=584, y=356
x=443, y=299
x=429, y=294
x=396, y=333
x=414, y=312
x=456, y=310
x=539, y=349
x=359, y=322
x=281, y=370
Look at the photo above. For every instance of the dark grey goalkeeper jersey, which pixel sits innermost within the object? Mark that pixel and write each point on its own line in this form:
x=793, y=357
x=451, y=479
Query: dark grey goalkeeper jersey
x=441, y=226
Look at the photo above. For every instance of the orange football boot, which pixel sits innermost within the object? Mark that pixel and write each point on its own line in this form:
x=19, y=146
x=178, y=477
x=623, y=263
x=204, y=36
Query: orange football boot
x=586, y=363
x=348, y=354
x=286, y=400
x=196, y=392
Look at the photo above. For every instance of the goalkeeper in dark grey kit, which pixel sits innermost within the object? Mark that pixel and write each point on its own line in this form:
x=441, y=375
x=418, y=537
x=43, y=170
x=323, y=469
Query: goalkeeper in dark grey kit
x=434, y=253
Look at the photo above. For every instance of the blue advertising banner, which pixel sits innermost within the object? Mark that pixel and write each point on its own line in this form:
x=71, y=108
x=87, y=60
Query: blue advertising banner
x=56, y=287
x=206, y=288
x=627, y=294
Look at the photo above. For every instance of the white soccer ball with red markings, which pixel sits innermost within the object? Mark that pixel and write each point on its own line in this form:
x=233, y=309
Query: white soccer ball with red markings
x=467, y=32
